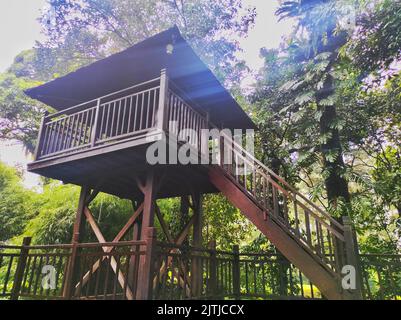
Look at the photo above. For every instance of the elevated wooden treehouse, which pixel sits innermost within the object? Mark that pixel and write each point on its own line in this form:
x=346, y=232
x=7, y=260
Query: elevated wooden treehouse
x=111, y=111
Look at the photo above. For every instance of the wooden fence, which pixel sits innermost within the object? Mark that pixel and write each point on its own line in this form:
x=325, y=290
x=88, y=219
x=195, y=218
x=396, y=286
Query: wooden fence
x=107, y=271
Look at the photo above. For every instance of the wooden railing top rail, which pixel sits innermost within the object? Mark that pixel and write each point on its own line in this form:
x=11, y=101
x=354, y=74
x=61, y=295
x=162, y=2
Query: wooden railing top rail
x=79, y=245
x=270, y=173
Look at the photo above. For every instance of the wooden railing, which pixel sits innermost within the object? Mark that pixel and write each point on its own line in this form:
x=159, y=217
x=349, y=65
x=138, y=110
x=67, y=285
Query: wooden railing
x=227, y=274
x=111, y=118
x=315, y=229
x=135, y=111
x=27, y=271
x=185, y=122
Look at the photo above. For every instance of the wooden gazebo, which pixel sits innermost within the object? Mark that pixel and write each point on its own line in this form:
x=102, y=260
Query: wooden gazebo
x=110, y=112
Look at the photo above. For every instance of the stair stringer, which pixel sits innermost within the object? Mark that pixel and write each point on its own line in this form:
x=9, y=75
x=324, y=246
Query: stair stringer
x=327, y=283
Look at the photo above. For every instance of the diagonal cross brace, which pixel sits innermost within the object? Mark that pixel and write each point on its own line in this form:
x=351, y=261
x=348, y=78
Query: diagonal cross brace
x=101, y=239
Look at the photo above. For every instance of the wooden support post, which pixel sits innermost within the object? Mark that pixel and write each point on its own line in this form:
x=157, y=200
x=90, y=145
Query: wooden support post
x=163, y=98
x=236, y=273
x=148, y=234
x=146, y=266
x=148, y=215
x=196, y=267
x=72, y=273
x=352, y=255
x=39, y=143
x=212, y=281
x=184, y=210
x=134, y=259
x=19, y=272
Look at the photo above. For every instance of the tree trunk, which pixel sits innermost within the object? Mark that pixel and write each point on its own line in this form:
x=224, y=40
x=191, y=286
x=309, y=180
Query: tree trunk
x=336, y=184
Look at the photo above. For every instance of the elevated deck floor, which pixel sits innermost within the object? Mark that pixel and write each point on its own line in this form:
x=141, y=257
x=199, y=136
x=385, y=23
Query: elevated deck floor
x=115, y=170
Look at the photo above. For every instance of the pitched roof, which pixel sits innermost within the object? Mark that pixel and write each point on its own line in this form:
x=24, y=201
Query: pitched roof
x=143, y=62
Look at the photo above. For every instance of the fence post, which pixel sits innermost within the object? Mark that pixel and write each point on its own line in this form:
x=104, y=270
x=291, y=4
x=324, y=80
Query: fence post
x=146, y=266
x=19, y=272
x=352, y=255
x=212, y=283
x=236, y=273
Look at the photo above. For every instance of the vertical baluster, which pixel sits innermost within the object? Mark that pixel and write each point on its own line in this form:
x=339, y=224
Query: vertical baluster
x=129, y=104
x=285, y=209
x=147, y=110
x=175, y=117
x=66, y=132
x=154, y=107
x=330, y=248
x=125, y=102
x=71, y=131
x=75, y=133
x=142, y=112
x=265, y=195
x=107, y=106
x=45, y=144
x=59, y=135
x=79, y=131
x=88, y=119
x=307, y=226
x=47, y=147
x=136, y=113
x=62, y=134
x=112, y=120
x=296, y=215
x=118, y=118
x=54, y=137
x=276, y=208
x=318, y=247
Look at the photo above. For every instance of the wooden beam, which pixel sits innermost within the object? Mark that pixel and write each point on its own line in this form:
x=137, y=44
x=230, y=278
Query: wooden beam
x=148, y=234
x=149, y=202
x=113, y=262
x=144, y=287
x=78, y=234
x=119, y=236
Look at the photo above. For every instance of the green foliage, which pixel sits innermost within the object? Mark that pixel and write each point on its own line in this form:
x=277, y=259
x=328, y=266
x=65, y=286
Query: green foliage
x=57, y=206
x=19, y=115
x=377, y=40
x=15, y=203
x=225, y=224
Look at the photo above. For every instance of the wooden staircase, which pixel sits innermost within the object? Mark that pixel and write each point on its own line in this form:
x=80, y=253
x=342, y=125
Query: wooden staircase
x=305, y=234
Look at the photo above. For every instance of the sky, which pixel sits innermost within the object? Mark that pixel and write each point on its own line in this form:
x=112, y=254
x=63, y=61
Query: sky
x=19, y=29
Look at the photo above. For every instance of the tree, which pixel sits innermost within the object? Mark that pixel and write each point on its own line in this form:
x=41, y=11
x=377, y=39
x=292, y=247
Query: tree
x=315, y=84
x=81, y=32
x=109, y=26
x=15, y=203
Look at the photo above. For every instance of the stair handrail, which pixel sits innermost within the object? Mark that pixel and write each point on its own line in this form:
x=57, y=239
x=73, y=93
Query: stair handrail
x=283, y=182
